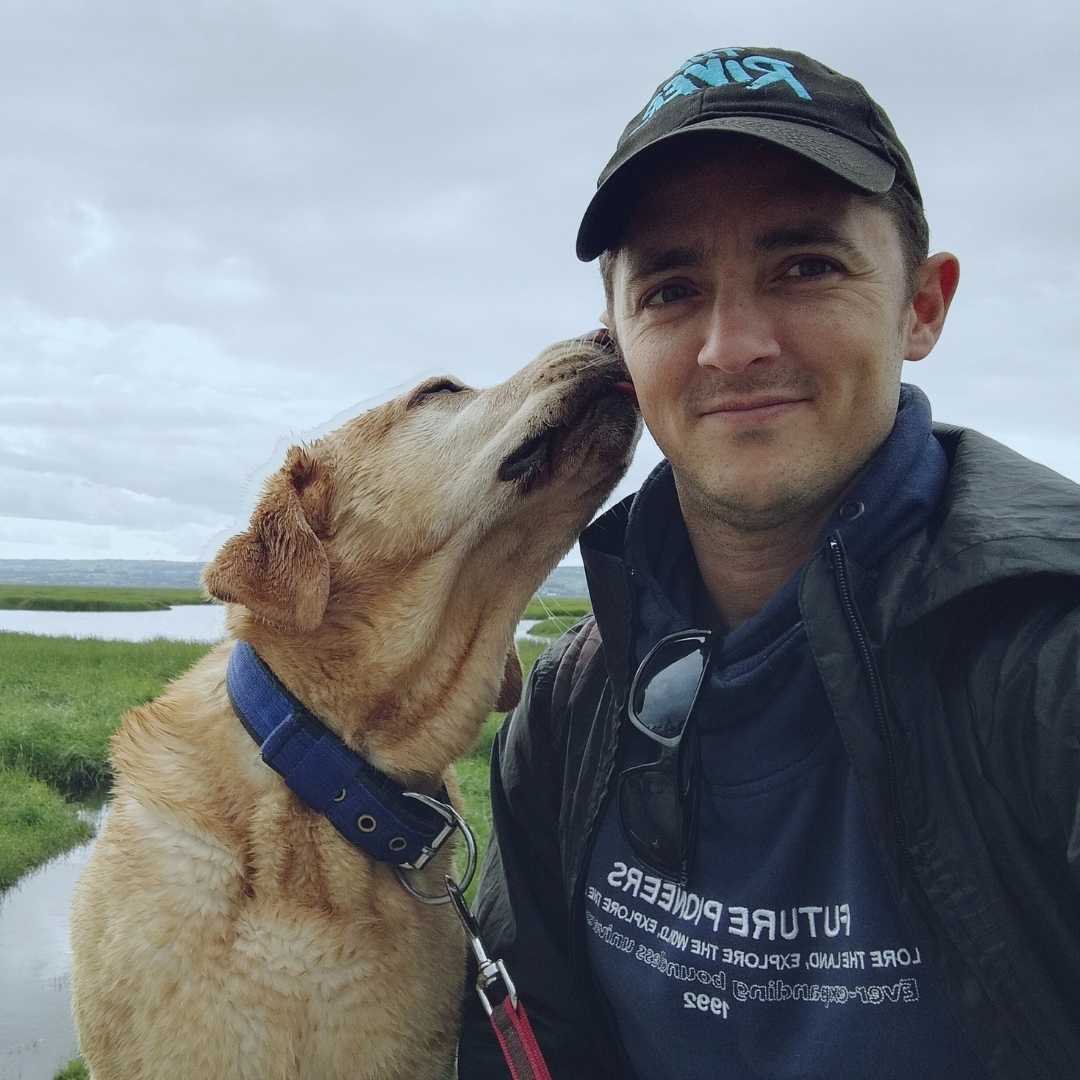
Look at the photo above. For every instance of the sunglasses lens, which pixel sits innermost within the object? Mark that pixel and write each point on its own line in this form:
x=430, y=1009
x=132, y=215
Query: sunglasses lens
x=666, y=684
x=652, y=817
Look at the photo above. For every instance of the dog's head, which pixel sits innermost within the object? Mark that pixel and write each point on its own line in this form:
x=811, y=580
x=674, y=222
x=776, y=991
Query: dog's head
x=447, y=496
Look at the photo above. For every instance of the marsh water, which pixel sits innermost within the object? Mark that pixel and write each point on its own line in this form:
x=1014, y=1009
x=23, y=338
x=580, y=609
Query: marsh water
x=37, y=1036
x=36, y=1033
x=189, y=622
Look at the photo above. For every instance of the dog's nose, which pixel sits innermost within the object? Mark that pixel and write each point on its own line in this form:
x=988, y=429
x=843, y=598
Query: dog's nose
x=601, y=337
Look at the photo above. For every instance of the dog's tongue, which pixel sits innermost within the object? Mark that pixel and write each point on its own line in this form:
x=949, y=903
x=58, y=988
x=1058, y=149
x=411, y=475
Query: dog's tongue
x=626, y=387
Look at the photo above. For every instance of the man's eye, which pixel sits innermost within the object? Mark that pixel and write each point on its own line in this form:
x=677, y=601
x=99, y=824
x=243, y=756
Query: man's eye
x=810, y=268
x=433, y=388
x=667, y=294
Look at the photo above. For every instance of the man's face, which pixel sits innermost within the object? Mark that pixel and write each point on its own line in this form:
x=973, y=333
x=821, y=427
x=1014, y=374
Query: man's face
x=762, y=310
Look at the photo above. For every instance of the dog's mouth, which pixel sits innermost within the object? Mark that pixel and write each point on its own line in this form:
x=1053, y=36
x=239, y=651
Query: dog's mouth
x=536, y=458
x=530, y=457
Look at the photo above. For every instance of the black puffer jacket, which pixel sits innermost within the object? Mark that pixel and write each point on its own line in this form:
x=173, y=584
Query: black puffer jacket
x=954, y=676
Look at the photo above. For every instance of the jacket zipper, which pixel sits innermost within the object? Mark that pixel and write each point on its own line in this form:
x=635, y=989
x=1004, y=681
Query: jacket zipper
x=851, y=613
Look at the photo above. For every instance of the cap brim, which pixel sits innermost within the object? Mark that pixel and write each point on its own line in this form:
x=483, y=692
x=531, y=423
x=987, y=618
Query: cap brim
x=849, y=160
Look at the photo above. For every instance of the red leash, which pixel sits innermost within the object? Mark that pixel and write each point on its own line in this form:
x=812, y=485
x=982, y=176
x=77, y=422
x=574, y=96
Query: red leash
x=508, y=1019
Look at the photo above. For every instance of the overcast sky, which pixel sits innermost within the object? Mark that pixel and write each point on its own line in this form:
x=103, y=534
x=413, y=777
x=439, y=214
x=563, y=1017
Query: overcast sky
x=225, y=223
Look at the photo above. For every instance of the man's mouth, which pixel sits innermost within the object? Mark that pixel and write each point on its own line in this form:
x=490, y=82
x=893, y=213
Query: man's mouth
x=734, y=406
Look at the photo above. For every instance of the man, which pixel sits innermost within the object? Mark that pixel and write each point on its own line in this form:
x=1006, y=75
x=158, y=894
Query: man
x=801, y=800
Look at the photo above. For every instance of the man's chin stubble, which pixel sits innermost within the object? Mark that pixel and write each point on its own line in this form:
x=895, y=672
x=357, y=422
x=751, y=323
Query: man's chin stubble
x=791, y=506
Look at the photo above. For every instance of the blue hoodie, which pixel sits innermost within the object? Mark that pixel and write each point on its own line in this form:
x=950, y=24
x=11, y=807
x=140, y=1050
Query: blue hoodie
x=784, y=954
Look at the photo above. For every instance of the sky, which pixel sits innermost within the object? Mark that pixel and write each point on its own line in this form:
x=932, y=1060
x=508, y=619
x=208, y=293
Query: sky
x=227, y=224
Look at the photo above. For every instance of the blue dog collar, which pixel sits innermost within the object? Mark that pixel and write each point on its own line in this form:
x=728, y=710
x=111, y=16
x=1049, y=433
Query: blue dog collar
x=372, y=812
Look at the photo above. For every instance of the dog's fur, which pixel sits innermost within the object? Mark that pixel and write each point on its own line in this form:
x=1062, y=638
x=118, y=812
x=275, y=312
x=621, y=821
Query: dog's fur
x=223, y=929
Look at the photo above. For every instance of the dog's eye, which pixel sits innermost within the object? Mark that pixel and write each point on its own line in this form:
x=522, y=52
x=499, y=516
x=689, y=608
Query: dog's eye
x=433, y=388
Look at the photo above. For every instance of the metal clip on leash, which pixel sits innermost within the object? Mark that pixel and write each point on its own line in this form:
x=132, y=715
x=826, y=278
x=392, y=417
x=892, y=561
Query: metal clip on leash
x=508, y=1018
x=490, y=971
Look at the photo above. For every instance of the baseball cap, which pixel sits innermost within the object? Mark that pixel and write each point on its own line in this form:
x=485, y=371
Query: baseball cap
x=784, y=97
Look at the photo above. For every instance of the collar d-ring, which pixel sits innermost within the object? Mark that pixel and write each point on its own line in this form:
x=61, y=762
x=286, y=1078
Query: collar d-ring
x=453, y=821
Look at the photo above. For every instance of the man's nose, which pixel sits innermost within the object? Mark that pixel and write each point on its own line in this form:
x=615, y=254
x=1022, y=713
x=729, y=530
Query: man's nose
x=739, y=333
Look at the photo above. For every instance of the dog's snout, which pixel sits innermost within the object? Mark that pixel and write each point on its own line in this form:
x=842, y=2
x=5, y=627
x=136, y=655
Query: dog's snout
x=580, y=358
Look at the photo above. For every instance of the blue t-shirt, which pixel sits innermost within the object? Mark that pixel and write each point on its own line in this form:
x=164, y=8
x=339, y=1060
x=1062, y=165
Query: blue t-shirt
x=785, y=954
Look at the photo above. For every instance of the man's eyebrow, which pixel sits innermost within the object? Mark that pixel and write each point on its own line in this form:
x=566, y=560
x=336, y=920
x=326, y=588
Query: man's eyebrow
x=805, y=234
x=646, y=263
x=659, y=260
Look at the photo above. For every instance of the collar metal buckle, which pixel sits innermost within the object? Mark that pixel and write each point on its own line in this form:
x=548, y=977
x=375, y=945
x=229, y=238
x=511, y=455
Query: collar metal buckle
x=453, y=821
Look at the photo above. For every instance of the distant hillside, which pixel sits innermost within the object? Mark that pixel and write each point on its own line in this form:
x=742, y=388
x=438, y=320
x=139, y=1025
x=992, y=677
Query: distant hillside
x=564, y=581
x=152, y=573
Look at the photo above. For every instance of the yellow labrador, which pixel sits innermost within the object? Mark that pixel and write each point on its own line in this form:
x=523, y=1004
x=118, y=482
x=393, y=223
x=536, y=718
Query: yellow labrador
x=226, y=928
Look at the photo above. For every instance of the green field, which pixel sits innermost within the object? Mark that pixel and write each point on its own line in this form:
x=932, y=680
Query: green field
x=36, y=823
x=546, y=607
x=61, y=699
x=79, y=598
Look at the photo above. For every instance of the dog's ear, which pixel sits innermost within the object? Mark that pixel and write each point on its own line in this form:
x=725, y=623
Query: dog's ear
x=510, y=690
x=278, y=569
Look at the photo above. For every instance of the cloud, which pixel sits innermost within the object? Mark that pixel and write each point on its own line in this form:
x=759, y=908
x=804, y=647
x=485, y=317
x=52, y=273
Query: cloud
x=30, y=538
x=49, y=496
x=226, y=223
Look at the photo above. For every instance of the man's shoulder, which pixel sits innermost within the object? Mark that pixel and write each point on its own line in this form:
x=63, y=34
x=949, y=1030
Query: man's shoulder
x=569, y=671
x=1003, y=518
x=987, y=478
x=564, y=663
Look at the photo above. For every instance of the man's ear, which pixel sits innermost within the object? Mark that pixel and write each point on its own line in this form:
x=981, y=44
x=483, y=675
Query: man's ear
x=510, y=690
x=936, y=286
x=278, y=569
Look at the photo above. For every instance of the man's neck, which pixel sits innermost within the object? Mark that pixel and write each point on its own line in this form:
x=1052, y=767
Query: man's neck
x=742, y=569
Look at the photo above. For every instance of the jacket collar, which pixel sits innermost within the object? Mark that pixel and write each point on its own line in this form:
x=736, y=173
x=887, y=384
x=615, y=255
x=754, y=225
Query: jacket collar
x=372, y=811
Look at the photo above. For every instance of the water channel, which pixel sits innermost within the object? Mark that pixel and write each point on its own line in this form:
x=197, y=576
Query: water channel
x=36, y=1033
x=190, y=622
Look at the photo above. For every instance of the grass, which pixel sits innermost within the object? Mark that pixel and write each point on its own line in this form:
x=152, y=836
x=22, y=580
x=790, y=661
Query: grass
x=553, y=627
x=472, y=774
x=544, y=607
x=36, y=823
x=103, y=598
x=73, y=1070
x=61, y=699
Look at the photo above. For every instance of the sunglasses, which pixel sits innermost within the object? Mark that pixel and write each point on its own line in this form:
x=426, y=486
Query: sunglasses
x=658, y=801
